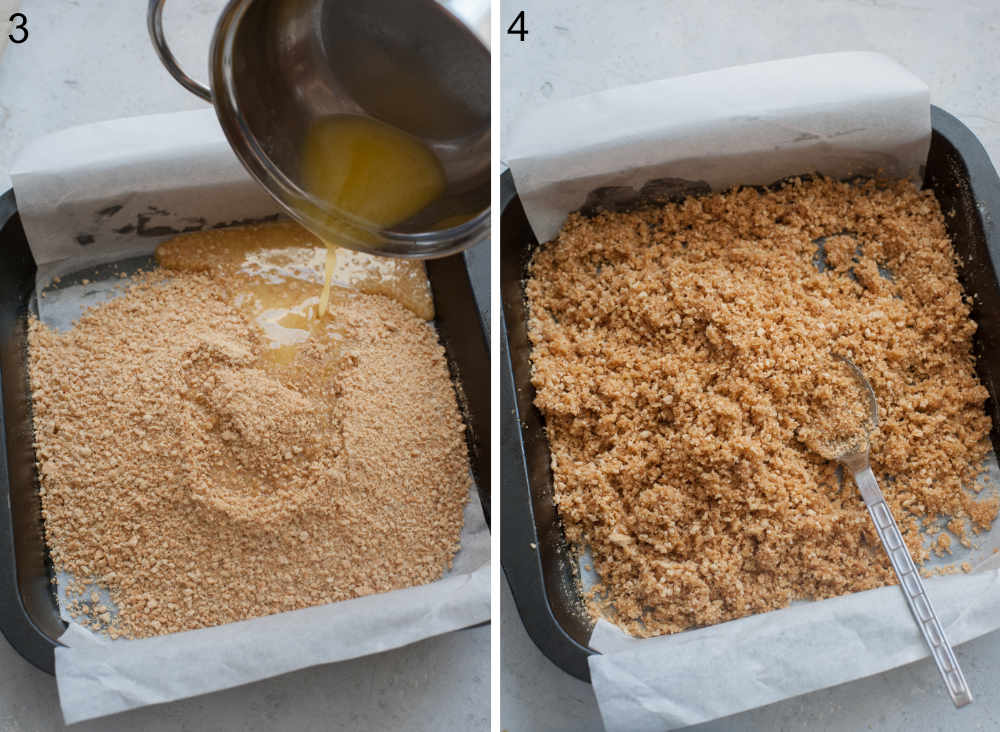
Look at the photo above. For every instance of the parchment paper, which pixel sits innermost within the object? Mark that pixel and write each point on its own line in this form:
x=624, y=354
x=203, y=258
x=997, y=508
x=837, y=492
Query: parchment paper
x=839, y=114
x=112, y=191
x=663, y=683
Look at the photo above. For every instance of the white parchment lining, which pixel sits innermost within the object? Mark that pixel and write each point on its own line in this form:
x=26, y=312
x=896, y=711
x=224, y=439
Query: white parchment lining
x=113, y=190
x=838, y=114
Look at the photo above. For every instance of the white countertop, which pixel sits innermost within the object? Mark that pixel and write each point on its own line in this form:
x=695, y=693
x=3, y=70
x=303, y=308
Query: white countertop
x=578, y=46
x=88, y=60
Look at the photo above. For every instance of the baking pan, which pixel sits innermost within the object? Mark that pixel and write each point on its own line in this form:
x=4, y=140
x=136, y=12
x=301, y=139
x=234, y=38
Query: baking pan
x=535, y=557
x=29, y=616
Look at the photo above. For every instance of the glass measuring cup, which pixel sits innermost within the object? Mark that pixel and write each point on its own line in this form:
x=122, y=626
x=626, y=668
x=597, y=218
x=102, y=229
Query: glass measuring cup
x=278, y=66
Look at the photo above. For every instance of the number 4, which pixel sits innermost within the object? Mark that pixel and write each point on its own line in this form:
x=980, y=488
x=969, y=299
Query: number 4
x=517, y=27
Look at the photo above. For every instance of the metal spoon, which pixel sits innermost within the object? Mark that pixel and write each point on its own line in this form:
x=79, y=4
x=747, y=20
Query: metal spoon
x=856, y=460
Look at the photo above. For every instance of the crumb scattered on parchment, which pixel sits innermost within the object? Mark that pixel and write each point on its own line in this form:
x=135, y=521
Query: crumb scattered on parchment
x=678, y=353
x=200, y=485
x=942, y=545
x=957, y=527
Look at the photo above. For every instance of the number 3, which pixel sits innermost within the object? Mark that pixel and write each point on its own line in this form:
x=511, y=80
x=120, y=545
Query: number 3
x=22, y=25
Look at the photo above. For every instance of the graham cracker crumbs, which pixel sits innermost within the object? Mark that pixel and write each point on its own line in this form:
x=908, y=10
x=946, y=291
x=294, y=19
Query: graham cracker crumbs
x=201, y=483
x=680, y=352
x=838, y=419
x=290, y=245
x=942, y=571
x=957, y=527
x=943, y=545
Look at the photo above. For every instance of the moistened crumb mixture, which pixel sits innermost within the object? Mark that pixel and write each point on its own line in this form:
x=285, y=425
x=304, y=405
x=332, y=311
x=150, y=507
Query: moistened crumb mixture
x=681, y=355
x=838, y=417
x=201, y=482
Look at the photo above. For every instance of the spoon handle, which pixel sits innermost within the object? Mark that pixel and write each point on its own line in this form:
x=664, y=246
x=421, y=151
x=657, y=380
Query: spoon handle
x=913, y=587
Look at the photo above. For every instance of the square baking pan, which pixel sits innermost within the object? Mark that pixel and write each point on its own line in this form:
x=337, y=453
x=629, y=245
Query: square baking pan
x=29, y=615
x=537, y=562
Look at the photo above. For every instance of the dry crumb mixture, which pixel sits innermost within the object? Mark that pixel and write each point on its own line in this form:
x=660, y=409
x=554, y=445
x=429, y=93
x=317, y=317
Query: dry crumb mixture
x=202, y=483
x=678, y=355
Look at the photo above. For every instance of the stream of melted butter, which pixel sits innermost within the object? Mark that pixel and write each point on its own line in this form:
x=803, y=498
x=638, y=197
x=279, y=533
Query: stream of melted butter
x=370, y=170
x=273, y=271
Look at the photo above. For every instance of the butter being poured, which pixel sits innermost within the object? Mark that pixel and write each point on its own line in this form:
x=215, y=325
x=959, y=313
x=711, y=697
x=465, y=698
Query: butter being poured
x=273, y=272
x=369, y=170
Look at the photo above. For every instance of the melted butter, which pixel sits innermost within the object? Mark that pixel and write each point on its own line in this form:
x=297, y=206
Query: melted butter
x=369, y=170
x=328, y=269
x=449, y=221
x=273, y=272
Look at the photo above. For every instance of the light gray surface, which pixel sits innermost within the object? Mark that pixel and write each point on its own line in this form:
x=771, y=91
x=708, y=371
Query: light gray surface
x=578, y=46
x=88, y=60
